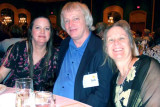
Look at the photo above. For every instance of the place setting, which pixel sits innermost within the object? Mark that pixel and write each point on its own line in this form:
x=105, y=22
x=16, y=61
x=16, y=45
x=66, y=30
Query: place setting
x=25, y=96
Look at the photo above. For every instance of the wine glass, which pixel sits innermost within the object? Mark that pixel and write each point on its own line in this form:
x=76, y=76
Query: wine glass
x=44, y=99
x=24, y=92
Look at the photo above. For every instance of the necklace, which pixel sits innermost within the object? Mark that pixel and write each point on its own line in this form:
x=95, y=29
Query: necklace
x=121, y=78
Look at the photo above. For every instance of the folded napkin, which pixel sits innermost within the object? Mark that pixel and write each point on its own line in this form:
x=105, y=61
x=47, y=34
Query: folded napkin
x=7, y=100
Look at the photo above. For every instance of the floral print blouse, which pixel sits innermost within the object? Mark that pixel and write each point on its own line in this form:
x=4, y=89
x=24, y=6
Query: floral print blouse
x=141, y=86
x=18, y=63
x=123, y=91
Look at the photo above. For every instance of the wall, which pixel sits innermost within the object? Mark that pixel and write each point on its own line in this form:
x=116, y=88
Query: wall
x=97, y=8
x=16, y=12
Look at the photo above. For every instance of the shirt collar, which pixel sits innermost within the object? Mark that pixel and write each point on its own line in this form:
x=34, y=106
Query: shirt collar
x=73, y=46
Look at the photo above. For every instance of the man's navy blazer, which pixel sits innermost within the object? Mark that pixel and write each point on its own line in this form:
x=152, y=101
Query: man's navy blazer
x=91, y=62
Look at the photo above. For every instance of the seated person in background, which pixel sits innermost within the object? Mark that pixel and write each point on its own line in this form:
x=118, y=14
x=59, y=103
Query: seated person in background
x=146, y=36
x=100, y=27
x=4, y=33
x=82, y=76
x=25, y=29
x=155, y=50
x=138, y=37
x=57, y=39
x=16, y=34
x=136, y=79
x=33, y=58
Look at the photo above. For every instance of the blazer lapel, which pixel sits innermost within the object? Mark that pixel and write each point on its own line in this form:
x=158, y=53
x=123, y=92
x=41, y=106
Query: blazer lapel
x=87, y=56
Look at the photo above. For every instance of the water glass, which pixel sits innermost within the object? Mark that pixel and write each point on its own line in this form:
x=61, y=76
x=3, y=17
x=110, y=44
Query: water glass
x=24, y=92
x=44, y=99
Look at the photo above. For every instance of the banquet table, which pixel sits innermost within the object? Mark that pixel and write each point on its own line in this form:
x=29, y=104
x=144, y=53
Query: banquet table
x=59, y=100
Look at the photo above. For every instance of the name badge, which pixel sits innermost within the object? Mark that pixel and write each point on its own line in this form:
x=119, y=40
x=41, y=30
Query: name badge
x=90, y=80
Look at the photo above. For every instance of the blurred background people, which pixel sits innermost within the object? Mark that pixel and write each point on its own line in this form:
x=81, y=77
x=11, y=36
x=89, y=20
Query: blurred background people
x=146, y=36
x=99, y=30
x=57, y=39
x=16, y=34
x=34, y=58
x=154, y=51
x=4, y=32
x=81, y=59
x=136, y=79
x=138, y=37
x=25, y=29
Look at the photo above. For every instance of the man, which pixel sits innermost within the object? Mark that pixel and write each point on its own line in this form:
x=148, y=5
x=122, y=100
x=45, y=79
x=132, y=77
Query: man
x=82, y=76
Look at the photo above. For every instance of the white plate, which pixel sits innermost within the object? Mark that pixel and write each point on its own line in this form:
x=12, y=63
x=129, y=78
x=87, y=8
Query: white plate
x=2, y=88
x=7, y=100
